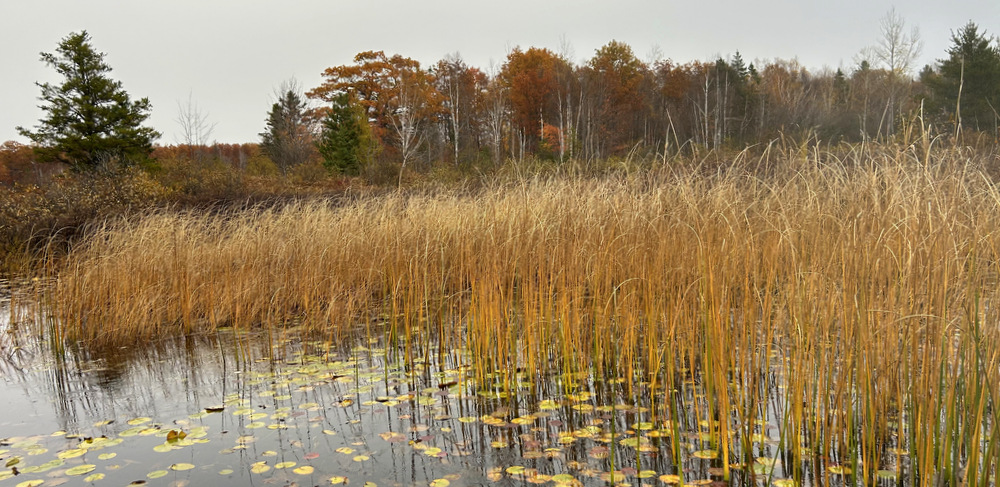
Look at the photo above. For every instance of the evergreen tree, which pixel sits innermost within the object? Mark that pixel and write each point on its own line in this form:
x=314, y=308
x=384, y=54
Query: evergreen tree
x=967, y=84
x=88, y=117
x=288, y=139
x=346, y=141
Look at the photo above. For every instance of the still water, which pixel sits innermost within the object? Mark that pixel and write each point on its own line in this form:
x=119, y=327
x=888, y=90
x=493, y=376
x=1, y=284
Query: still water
x=258, y=409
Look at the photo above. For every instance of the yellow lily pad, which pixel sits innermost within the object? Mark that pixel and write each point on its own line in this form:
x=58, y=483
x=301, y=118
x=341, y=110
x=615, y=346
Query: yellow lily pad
x=81, y=469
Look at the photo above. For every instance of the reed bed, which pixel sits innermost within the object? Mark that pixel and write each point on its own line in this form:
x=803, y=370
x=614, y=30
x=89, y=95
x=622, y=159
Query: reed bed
x=861, y=282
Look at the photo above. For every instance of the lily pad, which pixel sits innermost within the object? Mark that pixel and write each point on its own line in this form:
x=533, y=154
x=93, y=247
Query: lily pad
x=155, y=474
x=81, y=469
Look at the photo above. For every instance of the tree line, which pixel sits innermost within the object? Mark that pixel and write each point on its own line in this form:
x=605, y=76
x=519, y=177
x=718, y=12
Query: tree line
x=387, y=108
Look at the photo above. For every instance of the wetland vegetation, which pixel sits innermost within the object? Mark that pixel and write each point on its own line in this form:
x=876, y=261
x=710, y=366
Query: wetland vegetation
x=808, y=316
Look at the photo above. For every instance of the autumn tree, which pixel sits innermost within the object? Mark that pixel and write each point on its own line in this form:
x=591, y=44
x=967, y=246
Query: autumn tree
x=533, y=90
x=287, y=139
x=399, y=97
x=88, y=117
x=460, y=87
x=345, y=141
x=617, y=80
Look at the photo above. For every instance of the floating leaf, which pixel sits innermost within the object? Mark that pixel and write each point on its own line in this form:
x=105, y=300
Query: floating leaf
x=393, y=437
x=303, y=470
x=106, y=456
x=440, y=483
x=346, y=450
x=886, y=474
x=73, y=453
x=670, y=479
x=31, y=483
x=646, y=474
x=515, y=470
x=563, y=478
x=783, y=483
x=361, y=458
x=336, y=480
x=163, y=448
x=155, y=474
x=103, y=423
x=138, y=421
x=839, y=469
x=706, y=454
x=16, y=460
x=81, y=469
x=282, y=465
x=226, y=471
x=94, y=477
x=180, y=467
x=259, y=467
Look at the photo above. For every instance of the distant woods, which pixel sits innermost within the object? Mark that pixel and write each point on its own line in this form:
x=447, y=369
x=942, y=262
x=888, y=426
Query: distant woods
x=384, y=114
x=540, y=104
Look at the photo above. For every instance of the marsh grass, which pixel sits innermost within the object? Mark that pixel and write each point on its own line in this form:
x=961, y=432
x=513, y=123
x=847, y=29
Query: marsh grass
x=860, y=281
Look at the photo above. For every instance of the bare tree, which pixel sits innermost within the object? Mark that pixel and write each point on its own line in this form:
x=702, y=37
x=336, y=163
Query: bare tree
x=195, y=127
x=896, y=50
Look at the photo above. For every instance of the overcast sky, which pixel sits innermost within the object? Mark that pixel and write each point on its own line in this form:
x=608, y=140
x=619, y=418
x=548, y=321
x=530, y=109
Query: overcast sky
x=230, y=55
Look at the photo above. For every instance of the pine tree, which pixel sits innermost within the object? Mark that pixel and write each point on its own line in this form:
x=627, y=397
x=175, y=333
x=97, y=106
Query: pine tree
x=288, y=139
x=88, y=118
x=346, y=141
x=967, y=84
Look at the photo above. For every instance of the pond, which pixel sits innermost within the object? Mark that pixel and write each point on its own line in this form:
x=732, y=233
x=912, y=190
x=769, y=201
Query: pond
x=281, y=409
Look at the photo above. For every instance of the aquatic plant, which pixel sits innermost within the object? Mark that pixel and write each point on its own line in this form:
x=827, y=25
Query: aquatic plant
x=860, y=280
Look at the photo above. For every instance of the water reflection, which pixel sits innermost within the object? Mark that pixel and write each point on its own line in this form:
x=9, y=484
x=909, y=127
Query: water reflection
x=237, y=409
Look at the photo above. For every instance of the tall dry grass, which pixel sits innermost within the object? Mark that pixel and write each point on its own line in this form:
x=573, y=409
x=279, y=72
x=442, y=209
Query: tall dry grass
x=862, y=283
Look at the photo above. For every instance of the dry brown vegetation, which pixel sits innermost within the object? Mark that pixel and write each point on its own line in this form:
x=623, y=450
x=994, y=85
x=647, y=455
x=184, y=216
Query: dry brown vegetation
x=862, y=281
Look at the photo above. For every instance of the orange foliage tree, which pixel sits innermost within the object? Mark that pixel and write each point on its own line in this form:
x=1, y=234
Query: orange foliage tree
x=399, y=96
x=533, y=85
x=617, y=82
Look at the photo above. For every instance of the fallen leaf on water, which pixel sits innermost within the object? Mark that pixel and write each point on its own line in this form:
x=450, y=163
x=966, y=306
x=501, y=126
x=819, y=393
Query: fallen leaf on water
x=303, y=470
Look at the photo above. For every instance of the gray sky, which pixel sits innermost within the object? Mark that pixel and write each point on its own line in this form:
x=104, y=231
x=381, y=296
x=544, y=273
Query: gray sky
x=230, y=55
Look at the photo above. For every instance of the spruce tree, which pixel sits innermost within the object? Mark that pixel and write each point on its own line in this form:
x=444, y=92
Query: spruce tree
x=967, y=84
x=88, y=117
x=288, y=138
x=345, y=142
